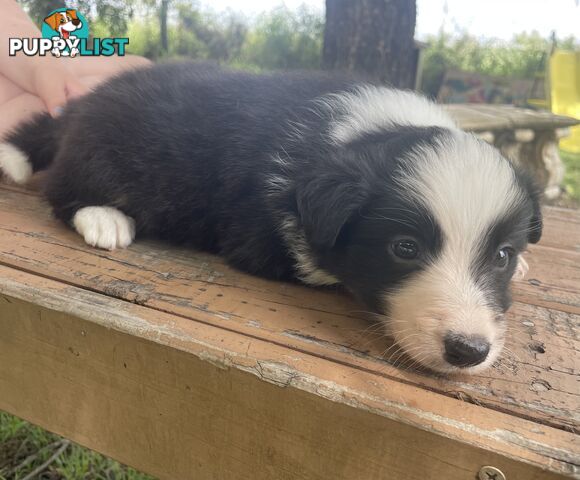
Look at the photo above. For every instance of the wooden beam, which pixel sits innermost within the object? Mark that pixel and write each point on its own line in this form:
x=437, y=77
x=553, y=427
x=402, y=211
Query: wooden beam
x=177, y=416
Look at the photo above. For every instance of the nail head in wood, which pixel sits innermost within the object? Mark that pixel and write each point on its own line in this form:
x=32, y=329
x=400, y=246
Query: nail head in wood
x=491, y=473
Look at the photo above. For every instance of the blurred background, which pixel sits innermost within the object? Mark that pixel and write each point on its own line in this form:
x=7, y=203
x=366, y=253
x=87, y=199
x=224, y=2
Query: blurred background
x=519, y=52
x=477, y=55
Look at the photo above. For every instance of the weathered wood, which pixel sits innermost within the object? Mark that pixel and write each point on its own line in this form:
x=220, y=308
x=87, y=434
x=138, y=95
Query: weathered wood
x=181, y=399
x=326, y=323
x=481, y=117
x=527, y=137
x=178, y=296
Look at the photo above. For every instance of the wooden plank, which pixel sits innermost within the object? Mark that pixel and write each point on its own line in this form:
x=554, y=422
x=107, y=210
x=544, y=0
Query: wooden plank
x=468, y=119
x=323, y=323
x=561, y=228
x=181, y=399
x=481, y=117
x=552, y=281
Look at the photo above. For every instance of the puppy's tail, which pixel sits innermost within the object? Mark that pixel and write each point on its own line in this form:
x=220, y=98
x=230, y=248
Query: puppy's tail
x=28, y=148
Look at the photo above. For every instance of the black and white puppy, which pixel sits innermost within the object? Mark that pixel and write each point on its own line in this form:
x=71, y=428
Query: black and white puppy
x=303, y=176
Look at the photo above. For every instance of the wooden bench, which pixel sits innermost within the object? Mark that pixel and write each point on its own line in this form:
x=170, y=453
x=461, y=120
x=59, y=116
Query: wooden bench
x=170, y=361
x=529, y=137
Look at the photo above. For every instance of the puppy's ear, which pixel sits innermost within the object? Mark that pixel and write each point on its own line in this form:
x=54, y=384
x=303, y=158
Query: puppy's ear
x=52, y=21
x=72, y=14
x=325, y=205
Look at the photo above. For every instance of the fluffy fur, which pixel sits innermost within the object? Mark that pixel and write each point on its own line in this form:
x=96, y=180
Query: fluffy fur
x=301, y=176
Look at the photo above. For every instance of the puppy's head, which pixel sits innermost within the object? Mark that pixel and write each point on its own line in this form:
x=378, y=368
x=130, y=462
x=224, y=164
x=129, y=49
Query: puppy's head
x=64, y=22
x=426, y=227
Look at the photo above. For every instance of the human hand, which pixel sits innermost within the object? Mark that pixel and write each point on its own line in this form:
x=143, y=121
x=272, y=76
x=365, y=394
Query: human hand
x=54, y=83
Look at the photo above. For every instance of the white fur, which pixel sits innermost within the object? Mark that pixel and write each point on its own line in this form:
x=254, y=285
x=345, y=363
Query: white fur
x=308, y=271
x=371, y=108
x=521, y=269
x=104, y=227
x=14, y=163
x=467, y=186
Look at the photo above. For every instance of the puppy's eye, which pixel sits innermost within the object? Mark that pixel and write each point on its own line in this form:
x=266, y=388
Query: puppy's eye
x=405, y=249
x=502, y=257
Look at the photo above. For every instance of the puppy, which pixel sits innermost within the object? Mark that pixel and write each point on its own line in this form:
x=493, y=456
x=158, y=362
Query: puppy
x=64, y=23
x=300, y=176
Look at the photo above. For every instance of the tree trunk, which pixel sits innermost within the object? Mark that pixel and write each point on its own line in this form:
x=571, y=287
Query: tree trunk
x=373, y=37
x=163, y=11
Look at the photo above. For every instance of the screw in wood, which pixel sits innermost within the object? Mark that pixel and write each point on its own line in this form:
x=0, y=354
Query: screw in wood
x=490, y=473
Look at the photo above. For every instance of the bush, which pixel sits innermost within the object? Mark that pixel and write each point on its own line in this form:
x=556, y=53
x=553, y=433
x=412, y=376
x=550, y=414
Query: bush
x=522, y=57
x=283, y=39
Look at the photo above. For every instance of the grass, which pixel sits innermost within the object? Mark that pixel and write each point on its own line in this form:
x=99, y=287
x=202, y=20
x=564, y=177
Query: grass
x=572, y=177
x=25, y=448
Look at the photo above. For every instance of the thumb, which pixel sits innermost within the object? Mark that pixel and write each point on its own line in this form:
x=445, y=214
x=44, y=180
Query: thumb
x=53, y=94
x=74, y=88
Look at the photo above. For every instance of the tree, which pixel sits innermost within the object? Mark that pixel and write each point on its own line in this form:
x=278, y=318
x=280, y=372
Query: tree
x=163, y=11
x=374, y=37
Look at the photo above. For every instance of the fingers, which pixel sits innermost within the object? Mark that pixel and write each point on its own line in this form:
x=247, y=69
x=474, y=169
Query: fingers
x=56, y=90
x=54, y=96
x=74, y=88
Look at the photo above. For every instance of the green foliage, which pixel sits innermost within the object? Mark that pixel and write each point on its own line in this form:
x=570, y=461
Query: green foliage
x=572, y=176
x=113, y=16
x=281, y=38
x=521, y=57
x=24, y=447
x=144, y=38
x=39, y=9
x=285, y=39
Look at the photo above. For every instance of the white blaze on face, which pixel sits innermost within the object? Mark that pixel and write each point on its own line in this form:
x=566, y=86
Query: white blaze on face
x=467, y=186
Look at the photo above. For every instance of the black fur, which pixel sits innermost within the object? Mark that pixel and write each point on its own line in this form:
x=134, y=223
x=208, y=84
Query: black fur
x=187, y=151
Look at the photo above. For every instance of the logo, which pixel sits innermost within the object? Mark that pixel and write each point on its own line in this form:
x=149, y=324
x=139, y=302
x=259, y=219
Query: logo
x=65, y=33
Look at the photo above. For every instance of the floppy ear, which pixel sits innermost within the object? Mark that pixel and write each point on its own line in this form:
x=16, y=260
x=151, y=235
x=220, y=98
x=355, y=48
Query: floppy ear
x=72, y=13
x=52, y=21
x=325, y=205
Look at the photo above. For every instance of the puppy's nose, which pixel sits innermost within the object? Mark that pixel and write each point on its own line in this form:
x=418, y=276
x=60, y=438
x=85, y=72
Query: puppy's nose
x=75, y=22
x=463, y=351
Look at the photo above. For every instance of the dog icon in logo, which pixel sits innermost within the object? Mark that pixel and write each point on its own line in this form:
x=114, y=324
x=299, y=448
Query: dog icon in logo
x=64, y=23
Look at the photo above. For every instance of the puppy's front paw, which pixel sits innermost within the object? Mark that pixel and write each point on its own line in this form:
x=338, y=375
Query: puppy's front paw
x=55, y=52
x=521, y=269
x=74, y=52
x=105, y=227
x=14, y=164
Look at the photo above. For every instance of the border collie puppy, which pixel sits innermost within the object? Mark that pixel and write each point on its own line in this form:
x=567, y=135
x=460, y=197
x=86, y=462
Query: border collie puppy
x=303, y=176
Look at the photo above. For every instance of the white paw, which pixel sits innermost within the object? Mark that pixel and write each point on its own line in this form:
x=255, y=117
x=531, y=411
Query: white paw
x=55, y=52
x=105, y=227
x=521, y=269
x=74, y=52
x=14, y=163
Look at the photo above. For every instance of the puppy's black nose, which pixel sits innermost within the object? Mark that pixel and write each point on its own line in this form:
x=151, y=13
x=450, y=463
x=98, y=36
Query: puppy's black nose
x=75, y=22
x=463, y=351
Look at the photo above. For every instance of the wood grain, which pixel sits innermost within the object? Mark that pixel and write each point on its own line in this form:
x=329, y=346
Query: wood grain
x=505, y=117
x=181, y=399
x=322, y=335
